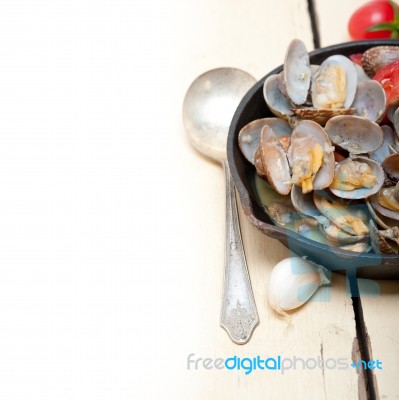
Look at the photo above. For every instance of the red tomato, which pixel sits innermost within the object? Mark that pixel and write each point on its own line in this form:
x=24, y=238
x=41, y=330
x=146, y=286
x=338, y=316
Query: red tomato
x=388, y=76
x=356, y=58
x=372, y=13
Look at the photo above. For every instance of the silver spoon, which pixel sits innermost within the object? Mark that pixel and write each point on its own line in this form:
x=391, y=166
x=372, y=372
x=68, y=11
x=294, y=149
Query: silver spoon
x=208, y=109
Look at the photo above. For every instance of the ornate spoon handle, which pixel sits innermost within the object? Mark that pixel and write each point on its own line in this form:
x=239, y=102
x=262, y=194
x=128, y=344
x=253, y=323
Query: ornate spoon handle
x=239, y=315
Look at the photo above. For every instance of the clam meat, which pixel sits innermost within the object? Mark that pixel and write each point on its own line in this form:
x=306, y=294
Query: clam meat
x=329, y=157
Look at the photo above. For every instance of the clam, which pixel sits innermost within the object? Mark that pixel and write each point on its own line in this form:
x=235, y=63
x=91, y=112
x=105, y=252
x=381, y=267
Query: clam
x=334, y=85
x=275, y=99
x=309, y=162
x=260, y=169
x=312, y=233
x=276, y=206
x=361, y=74
x=297, y=72
x=281, y=84
x=391, y=166
x=274, y=160
x=384, y=241
x=311, y=157
x=391, y=109
x=355, y=134
x=370, y=100
x=304, y=204
x=391, y=235
x=316, y=108
x=249, y=135
x=338, y=237
x=382, y=220
x=388, y=198
x=314, y=68
x=359, y=247
x=377, y=57
x=333, y=234
x=386, y=202
x=389, y=146
x=351, y=218
x=395, y=121
x=333, y=92
x=318, y=236
x=321, y=115
x=282, y=214
x=357, y=178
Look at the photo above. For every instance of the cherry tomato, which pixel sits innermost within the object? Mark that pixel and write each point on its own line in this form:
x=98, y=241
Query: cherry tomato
x=371, y=13
x=388, y=76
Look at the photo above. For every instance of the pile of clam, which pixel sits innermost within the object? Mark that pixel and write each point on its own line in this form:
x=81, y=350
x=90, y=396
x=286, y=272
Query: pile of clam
x=331, y=149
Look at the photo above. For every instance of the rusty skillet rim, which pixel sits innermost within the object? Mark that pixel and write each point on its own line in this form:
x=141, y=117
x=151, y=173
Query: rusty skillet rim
x=247, y=200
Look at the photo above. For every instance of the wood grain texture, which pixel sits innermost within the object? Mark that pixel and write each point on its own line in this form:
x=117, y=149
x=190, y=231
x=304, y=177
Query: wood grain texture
x=252, y=36
x=380, y=305
x=332, y=19
x=380, y=299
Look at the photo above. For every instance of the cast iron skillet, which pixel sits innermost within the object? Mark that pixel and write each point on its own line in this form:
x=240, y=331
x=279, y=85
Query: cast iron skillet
x=253, y=106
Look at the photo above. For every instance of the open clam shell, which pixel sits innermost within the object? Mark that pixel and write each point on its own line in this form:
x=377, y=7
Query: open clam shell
x=304, y=136
x=350, y=217
x=319, y=235
x=359, y=247
x=355, y=134
x=391, y=166
x=252, y=107
x=249, y=135
x=275, y=99
x=387, y=191
x=260, y=169
x=312, y=233
x=386, y=241
x=382, y=220
x=396, y=121
x=334, y=85
x=297, y=72
x=363, y=192
x=303, y=203
x=334, y=234
x=337, y=236
x=275, y=162
x=370, y=100
x=388, y=147
x=278, y=207
x=361, y=74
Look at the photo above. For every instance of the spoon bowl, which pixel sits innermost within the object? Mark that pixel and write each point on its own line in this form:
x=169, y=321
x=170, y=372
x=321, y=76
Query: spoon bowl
x=209, y=106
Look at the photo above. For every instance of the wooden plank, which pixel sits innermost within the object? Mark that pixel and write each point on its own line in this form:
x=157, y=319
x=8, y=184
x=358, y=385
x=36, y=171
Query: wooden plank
x=380, y=304
x=112, y=226
x=332, y=19
x=252, y=36
x=379, y=299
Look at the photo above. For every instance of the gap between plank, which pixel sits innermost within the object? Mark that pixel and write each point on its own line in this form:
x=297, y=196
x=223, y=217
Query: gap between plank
x=361, y=332
x=313, y=23
x=362, y=337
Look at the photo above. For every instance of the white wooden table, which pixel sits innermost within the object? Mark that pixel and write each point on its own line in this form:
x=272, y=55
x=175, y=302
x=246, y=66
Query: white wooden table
x=112, y=225
x=253, y=36
x=379, y=311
